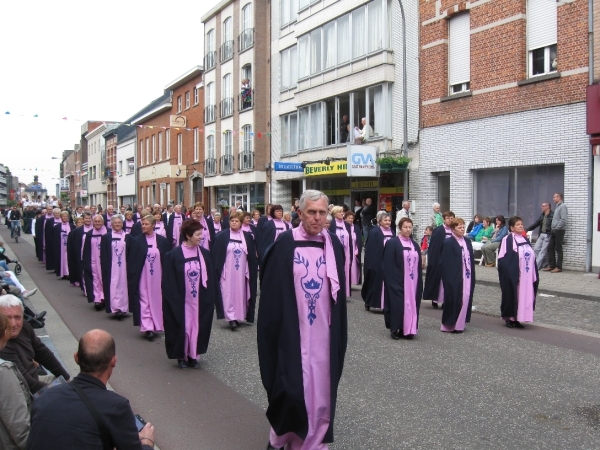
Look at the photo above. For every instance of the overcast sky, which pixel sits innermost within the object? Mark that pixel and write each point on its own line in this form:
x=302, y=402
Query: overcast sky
x=85, y=60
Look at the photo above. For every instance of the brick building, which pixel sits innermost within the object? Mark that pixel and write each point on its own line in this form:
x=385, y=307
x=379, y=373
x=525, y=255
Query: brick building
x=82, y=176
x=335, y=64
x=236, y=115
x=503, y=87
x=170, y=145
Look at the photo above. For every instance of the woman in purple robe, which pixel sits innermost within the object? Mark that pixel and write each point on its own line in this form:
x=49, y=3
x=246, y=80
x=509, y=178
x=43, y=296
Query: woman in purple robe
x=113, y=259
x=247, y=225
x=458, y=278
x=189, y=295
x=234, y=255
x=174, y=225
x=343, y=231
x=208, y=237
x=372, y=288
x=403, y=283
x=271, y=229
x=48, y=236
x=255, y=217
x=159, y=226
x=518, y=276
x=145, y=256
x=129, y=222
x=217, y=223
x=76, y=241
x=61, y=236
x=92, y=272
x=356, y=236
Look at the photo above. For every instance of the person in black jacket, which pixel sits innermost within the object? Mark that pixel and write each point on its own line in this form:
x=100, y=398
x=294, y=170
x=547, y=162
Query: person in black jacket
x=541, y=245
x=368, y=213
x=61, y=419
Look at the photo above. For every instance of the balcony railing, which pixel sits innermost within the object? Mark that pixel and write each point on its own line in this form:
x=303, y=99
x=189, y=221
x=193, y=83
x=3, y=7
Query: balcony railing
x=210, y=167
x=226, y=107
x=246, y=160
x=210, y=60
x=246, y=39
x=226, y=51
x=210, y=113
x=245, y=100
x=227, y=164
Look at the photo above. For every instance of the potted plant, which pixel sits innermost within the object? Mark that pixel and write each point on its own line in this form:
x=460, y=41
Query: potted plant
x=388, y=163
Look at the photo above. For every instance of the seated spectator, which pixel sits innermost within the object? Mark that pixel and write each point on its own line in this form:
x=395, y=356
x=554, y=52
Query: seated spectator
x=25, y=349
x=425, y=244
x=8, y=277
x=488, y=250
x=62, y=420
x=15, y=399
x=485, y=232
x=474, y=226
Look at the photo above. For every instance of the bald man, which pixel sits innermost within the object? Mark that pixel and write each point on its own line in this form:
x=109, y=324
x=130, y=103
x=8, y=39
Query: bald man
x=61, y=419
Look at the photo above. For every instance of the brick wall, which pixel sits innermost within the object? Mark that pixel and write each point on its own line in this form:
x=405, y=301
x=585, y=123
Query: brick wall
x=499, y=60
x=596, y=41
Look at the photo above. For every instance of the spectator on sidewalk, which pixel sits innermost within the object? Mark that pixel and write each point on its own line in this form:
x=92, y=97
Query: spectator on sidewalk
x=489, y=248
x=26, y=350
x=368, y=214
x=435, y=219
x=557, y=235
x=61, y=419
x=544, y=222
x=15, y=399
x=404, y=212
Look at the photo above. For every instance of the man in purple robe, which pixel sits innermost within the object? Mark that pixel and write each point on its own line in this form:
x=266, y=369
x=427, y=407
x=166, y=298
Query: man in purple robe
x=92, y=272
x=434, y=289
x=302, y=329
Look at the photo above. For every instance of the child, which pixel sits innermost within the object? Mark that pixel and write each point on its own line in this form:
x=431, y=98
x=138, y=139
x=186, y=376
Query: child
x=425, y=244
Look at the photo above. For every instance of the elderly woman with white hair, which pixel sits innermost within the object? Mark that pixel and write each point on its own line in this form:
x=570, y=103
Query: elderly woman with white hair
x=344, y=233
x=113, y=263
x=372, y=288
x=435, y=218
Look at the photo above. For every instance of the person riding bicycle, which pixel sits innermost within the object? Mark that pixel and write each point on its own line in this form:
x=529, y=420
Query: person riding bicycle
x=15, y=220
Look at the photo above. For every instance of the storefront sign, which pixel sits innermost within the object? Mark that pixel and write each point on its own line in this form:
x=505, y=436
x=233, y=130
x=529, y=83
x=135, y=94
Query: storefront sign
x=361, y=161
x=288, y=167
x=365, y=184
x=391, y=190
x=325, y=169
x=83, y=193
x=336, y=191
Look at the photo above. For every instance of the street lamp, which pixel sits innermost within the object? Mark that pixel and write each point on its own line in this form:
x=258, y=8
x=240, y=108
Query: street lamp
x=404, y=99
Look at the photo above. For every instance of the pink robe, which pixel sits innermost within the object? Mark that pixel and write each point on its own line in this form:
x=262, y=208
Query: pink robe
x=128, y=226
x=387, y=235
x=195, y=273
x=108, y=217
x=344, y=237
x=205, y=239
x=119, y=298
x=440, y=300
x=313, y=294
x=177, y=221
x=96, y=269
x=218, y=227
x=159, y=228
x=467, y=269
x=280, y=227
x=65, y=229
x=85, y=230
x=151, y=317
x=411, y=274
x=527, y=277
x=354, y=267
x=235, y=278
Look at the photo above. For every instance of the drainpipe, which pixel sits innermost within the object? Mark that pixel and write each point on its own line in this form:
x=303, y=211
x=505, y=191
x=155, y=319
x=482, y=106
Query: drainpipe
x=404, y=98
x=590, y=224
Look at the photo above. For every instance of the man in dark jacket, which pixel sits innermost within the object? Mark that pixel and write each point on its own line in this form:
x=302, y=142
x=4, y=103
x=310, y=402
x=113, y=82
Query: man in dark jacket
x=61, y=418
x=25, y=350
x=369, y=212
x=541, y=245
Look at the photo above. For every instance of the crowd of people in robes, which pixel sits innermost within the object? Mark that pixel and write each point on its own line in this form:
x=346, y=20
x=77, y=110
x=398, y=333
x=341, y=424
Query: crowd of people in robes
x=171, y=268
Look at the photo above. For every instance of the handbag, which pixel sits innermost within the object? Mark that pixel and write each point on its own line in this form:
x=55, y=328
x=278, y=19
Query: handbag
x=104, y=434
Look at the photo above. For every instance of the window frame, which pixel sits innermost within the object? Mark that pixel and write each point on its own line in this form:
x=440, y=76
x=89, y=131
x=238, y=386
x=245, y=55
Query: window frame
x=179, y=104
x=187, y=100
x=179, y=149
x=196, y=145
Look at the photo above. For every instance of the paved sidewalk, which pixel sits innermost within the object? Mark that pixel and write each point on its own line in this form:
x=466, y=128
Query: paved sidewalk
x=568, y=283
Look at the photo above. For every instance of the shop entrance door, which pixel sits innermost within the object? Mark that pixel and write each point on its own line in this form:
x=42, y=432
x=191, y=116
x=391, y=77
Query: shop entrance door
x=243, y=200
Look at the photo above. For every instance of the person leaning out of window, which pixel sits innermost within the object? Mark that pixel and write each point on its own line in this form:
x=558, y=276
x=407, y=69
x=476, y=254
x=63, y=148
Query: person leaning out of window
x=489, y=248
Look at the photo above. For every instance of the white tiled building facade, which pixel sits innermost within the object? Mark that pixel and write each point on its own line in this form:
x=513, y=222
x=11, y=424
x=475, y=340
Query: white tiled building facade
x=533, y=141
x=335, y=71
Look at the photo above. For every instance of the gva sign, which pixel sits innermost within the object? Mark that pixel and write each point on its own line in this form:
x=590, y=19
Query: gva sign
x=361, y=161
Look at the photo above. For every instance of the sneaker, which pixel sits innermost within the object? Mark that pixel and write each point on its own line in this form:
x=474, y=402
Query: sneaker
x=29, y=293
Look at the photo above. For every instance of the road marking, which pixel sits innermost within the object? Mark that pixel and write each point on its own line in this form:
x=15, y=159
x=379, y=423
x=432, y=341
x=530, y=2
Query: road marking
x=546, y=295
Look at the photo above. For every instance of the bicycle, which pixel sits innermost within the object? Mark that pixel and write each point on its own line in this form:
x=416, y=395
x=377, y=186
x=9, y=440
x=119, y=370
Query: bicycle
x=15, y=230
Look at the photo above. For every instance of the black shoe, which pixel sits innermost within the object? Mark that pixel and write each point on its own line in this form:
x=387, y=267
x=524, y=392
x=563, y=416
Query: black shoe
x=119, y=315
x=435, y=305
x=270, y=447
x=518, y=324
x=40, y=316
x=193, y=363
x=98, y=306
x=150, y=335
x=409, y=337
x=457, y=331
x=396, y=335
x=182, y=364
x=367, y=307
x=510, y=324
x=232, y=325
